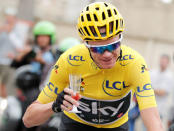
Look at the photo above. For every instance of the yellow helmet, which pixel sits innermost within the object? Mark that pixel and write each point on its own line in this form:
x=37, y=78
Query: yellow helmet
x=96, y=16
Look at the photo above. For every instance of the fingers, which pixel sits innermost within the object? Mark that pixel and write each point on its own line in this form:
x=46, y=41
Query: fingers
x=68, y=101
x=71, y=100
x=66, y=106
x=70, y=92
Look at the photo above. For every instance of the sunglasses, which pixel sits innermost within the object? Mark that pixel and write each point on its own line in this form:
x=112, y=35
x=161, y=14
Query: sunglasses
x=102, y=48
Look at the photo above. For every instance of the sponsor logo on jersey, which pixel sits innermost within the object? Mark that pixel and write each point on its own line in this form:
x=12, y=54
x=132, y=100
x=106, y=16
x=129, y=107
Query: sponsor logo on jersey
x=82, y=85
x=103, y=111
x=51, y=87
x=56, y=69
x=112, y=88
x=143, y=69
x=126, y=58
x=145, y=91
x=75, y=60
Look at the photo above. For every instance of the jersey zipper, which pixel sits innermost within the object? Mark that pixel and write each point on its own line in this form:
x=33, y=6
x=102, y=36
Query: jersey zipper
x=103, y=73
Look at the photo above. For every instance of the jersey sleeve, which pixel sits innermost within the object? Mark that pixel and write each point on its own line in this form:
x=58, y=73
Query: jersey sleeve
x=140, y=80
x=58, y=80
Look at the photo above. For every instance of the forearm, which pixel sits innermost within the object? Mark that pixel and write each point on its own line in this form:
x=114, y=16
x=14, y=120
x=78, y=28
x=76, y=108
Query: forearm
x=40, y=60
x=160, y=92
x=151, y=119
x=19, y=57
x=23, y=53
x=37, y=114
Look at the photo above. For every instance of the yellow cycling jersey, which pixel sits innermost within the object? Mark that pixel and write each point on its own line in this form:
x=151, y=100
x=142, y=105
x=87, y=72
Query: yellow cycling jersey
x=106, y=93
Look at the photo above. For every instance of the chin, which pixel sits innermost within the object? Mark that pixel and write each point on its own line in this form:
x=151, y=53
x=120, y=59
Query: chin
x=106, y=66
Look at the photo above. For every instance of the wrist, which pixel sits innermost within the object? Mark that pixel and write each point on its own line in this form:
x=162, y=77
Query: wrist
x=56, y=107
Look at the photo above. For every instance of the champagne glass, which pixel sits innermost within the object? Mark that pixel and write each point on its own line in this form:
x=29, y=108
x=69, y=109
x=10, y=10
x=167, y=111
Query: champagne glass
x=75, y=83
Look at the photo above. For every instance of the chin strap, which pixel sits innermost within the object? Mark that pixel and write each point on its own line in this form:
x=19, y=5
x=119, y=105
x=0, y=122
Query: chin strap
x=119, y=58
x=93, y=59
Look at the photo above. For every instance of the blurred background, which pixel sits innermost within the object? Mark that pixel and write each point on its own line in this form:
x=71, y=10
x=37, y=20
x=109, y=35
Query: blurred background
x=149, y=25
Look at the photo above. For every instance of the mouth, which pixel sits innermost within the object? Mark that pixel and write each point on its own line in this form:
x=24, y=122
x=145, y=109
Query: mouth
x=105, y=63
x=106, y=60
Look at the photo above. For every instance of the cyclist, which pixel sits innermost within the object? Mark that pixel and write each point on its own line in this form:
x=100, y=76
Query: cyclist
x=111, y=74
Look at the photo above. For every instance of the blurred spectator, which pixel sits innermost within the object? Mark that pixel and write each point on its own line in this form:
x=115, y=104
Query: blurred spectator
x=39, y=55
x=171, y=128
x=171, y=111
x=64, y=45
x=27, y=90
x=133, y=114
x=58, y=49
x=23, y=56
x=6, y=47
x=44, y=36
x=162, y=82
x=10, y=20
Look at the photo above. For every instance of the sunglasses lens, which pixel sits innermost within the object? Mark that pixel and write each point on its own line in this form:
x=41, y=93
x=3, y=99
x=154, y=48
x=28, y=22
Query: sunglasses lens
x=101, y=49
x=110, y=48
x=97, y=50
x=115, y=45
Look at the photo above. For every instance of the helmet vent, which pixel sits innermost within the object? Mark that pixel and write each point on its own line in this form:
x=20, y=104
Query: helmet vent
x=93, y=30
x=115, y=12
x=103, y=16
x=111, y=25
x=106, y=4
x=87, y=8
x=116, y=24
x=80, y=31
x=82, y=19
x=88, y=17
x=97, y=8
x=95, y=17
x=121, y=21
x=86, y=31
x=102, y=30
x=109, y=13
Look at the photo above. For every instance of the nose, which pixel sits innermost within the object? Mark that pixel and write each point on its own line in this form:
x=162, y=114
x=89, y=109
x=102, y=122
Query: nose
x=106, y=53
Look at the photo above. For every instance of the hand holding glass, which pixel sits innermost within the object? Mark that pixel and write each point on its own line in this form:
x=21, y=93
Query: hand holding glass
x=75, y=82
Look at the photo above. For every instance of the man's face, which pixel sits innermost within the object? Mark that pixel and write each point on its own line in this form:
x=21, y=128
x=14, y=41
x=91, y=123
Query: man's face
x=106, y=59
x=164, y=62
x=43, y=41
